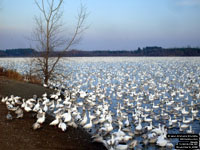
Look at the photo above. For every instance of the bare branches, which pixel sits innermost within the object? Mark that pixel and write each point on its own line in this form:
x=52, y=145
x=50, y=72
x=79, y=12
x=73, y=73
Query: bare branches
x=48, y=35
x=82, y=15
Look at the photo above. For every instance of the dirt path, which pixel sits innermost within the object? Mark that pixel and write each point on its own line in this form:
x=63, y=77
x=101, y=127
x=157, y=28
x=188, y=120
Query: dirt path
x=18, y=134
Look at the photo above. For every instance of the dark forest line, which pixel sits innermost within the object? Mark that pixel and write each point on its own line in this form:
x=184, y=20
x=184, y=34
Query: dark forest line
x=147, y=51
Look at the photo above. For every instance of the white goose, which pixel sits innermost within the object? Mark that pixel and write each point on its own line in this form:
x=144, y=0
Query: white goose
x=190, y=131
x=188, y=120
x=36, y=125
x=127, y=122
x=19, y=113
x=139, y=126
x=62, y=125
x=41, y=119
x=184, y=112
x=147, y=119
x=27, y=108
x=84, y=121
x=149, y=128
x=56, y=121
x=158, y=130
x=172, y=121
x=182, y=126
x=3, y=100
x=67, y=116
x=107, y=127
x=161, y=141
x=155, y=106
x=36, y=107
x=89, y=125
x=194, y=111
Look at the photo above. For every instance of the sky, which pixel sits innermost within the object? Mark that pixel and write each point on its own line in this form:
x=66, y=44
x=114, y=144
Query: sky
x=113, y=24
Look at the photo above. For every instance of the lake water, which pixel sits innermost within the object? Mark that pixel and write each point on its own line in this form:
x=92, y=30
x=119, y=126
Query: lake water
x=132, y=86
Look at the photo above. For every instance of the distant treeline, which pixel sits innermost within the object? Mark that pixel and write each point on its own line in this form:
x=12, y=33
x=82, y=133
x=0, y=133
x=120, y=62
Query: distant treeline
x=17, y=52
x=147, y=51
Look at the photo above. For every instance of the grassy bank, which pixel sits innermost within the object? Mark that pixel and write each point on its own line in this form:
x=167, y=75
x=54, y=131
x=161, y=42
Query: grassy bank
x=13, y=74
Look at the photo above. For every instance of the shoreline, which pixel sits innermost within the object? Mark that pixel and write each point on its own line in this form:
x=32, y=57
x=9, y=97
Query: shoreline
x=18, y=133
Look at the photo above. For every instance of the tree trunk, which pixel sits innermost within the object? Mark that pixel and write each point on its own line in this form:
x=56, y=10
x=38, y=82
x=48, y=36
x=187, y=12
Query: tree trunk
x=46, y=79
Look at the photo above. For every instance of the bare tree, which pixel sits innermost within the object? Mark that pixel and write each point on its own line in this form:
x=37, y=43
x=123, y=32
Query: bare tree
x=49, y=38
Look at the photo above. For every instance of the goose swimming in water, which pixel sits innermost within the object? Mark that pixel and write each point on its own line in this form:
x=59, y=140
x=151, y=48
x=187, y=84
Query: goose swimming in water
x=155, y=106
x=184, y=112
x=84, y=121
x=158, y=130
x=139, y=126
x=182, y=126
x=121, y=147
x=89, y=125
x=147, y=119
x=194, y=111
x=190, y=131
x=149, y=128
x=161, y=141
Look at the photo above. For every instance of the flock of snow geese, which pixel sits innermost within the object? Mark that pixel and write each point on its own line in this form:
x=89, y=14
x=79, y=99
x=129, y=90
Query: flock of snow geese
x=123, y=105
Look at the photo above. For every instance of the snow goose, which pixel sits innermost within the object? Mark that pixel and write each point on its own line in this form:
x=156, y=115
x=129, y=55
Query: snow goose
x=173, y=121
x=149, y=128
x=147, y=119
x=184, y=112
x=19, y=113
x=194, y=111
x=155, y=106
x=126, y=123
x=139, y=126
x=188, y=120
x=158, y=130
x=147, y=109
x=36, y=125
x=45, y=108
x=84, y=120
x=3, y=100
x=182, y=126
x=56, y=121
x=62, y=125
x=89, y=125
x=121, y=147
x=41, y=119
x=152, y=137
x=161, y=141
x=36, y=107
x=67, y=116
x=190, y=131
x=27, y=108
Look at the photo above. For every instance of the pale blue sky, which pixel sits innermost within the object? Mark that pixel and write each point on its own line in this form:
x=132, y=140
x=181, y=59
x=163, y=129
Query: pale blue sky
x=114, y=24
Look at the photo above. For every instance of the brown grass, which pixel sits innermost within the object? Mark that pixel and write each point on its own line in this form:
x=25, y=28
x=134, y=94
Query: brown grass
x=13, y=74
